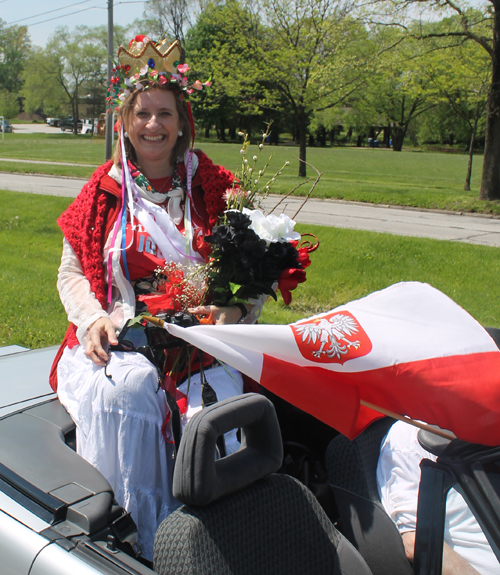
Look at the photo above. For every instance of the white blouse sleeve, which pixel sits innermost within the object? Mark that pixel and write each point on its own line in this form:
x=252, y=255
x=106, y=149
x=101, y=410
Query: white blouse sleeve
x=398, y=474
x=78, y=299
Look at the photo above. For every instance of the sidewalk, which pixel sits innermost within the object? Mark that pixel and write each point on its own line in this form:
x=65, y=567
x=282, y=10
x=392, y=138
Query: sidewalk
x=475, y=229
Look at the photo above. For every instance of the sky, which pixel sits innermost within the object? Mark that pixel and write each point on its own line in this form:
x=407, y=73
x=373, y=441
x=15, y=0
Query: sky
x=86, y=12
x=43, y=16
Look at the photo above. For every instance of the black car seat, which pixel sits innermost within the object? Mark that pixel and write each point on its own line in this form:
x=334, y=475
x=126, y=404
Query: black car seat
x=352, y=471
x=239, y=517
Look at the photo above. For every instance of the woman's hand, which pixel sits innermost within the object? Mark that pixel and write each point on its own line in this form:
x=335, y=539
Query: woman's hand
x=101, y=332
x=221, y=315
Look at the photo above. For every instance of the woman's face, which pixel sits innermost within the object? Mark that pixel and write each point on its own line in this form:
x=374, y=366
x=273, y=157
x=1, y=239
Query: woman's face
x=153, y=126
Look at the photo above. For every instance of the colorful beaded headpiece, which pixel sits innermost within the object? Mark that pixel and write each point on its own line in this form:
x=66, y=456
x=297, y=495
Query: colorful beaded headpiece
x=145, y=64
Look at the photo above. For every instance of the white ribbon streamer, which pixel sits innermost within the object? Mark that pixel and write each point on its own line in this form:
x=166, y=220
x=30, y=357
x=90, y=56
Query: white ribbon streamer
x=158, y=223
x=174, y=207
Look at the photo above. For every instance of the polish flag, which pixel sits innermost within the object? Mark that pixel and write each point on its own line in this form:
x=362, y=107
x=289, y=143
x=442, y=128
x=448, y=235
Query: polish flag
x=408, y=349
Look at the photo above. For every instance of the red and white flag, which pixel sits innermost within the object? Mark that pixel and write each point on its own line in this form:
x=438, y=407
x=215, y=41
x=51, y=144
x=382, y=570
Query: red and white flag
x=408, y=349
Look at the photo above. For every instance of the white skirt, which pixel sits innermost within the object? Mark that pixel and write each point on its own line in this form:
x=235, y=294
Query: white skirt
x=118, y=428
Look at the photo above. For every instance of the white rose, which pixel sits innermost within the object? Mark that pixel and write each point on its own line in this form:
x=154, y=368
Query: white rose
x=272, y=228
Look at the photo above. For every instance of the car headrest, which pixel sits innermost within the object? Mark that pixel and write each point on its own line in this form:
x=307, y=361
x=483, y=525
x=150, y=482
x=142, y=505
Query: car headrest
x=432, y=443
x=200, y=478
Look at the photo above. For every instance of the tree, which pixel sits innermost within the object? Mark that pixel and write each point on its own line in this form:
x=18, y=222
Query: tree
x=399, y=91
x=225, y=44
x=316, y=57
x=483, y=28
x=67, y=65
x=14, y=52
x=170, y=19
x=40, y=91
x=9, y=104
x=461, y=76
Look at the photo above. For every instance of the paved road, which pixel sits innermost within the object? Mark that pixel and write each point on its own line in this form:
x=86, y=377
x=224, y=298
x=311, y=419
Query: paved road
x=35, y=129
x=400, y=221
x=38, y=129
x=16, y=160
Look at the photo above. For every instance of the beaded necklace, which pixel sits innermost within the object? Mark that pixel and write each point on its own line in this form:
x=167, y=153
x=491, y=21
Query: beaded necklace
x=141, y=180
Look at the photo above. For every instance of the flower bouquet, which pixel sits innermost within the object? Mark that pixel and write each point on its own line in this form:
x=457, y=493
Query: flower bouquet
x=254, y=254
x=249, y=253
x=176, y=288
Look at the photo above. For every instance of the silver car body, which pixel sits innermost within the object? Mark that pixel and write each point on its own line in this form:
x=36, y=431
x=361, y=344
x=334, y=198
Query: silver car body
x=32, y=541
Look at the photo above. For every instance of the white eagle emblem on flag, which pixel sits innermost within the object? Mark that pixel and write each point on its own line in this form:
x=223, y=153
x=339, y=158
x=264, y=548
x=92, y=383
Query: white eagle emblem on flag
x=332, y=337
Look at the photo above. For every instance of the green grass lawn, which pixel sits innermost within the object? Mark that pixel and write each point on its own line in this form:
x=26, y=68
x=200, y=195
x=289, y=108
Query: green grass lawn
x=410, y=178
x=348, y=265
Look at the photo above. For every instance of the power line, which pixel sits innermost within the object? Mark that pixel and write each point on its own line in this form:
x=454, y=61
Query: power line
x=69, y=14
x=48, y=12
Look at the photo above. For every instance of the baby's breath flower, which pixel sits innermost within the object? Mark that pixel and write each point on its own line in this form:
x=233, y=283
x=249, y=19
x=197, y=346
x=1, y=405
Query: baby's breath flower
x=264, y=135
x=279, y=173
x=255, y=181
x=242, y=151
x=255, y=158
x=250, y=170
x=287, y=163
x=241, y=134
x=246, y=161
x=261, y=146
x=260, y=172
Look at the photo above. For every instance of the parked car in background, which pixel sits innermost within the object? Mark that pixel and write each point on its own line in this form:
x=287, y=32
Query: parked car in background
x=88, y=125
x=54, y=122
x=8, y=127
x=67, y=124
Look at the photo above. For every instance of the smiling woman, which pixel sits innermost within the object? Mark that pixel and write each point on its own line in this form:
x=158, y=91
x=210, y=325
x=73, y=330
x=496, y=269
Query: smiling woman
x=150, y=208
x=157, y=129
x=153, y=128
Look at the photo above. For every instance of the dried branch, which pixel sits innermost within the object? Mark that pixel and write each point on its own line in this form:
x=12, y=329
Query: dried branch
x=312, y=187
x=290, y=193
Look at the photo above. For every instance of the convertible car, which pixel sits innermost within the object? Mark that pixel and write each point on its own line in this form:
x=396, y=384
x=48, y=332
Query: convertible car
x=243, y=514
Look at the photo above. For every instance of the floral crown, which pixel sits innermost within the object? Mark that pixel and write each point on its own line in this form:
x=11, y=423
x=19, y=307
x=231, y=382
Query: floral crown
x=145, y=64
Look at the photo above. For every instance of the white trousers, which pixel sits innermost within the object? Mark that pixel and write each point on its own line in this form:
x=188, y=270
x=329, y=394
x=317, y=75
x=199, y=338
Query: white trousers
x=118, y=429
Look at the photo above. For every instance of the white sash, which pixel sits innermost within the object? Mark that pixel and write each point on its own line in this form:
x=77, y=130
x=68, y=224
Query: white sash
x=174, y=246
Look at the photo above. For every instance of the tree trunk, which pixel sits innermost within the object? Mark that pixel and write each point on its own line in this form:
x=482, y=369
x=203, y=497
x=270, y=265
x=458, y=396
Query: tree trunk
x=471, y=152
x=387, y=136
x=222, y=131
x=75, y=116
x=321, y=136
x=398, y=136
x=490, y=180
x=302, y=126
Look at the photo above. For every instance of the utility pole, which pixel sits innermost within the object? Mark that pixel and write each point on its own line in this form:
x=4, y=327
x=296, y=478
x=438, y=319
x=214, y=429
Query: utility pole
x=109, y=115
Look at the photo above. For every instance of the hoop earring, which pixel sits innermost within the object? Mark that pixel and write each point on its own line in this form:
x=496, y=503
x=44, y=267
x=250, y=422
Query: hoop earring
x=125, y=134
x=180, y=133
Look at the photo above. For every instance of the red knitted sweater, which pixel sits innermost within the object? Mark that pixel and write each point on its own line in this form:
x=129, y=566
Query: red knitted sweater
x=88, y=221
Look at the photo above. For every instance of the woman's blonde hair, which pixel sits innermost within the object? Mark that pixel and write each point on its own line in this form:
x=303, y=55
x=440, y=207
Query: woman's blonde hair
x=183, y=142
